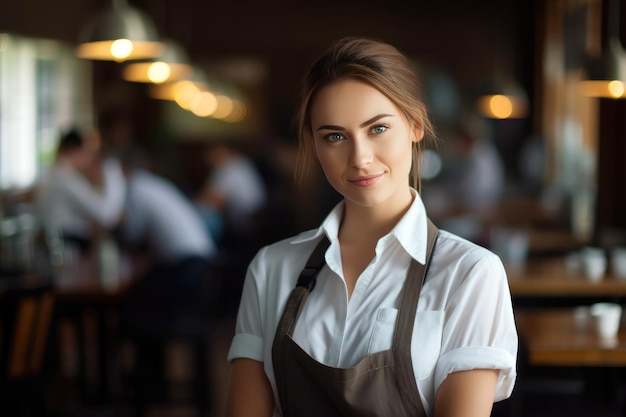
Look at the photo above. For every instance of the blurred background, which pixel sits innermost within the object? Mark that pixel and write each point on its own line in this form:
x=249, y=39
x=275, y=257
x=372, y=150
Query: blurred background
x=526, y=97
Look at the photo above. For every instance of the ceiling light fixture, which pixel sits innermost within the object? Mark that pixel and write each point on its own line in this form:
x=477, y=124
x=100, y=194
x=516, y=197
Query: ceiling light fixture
x=118, y=34
x=606, y=74
x=172, y=65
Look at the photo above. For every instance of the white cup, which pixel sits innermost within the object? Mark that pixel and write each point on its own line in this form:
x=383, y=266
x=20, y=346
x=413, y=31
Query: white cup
x=594, y=263
x=618, y=262
x=607, y=317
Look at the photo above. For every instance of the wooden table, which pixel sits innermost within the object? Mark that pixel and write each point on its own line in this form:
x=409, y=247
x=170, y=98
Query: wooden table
x=83, y=295
x=556, y=337
x=550, y=278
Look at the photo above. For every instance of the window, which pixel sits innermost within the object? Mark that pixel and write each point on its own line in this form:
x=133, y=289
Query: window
x=44, y=89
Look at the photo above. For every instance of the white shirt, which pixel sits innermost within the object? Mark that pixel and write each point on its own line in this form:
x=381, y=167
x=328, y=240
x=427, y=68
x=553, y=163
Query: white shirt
x=68, y=202
x=158, y=213
x=464, y=319
x=242, y=186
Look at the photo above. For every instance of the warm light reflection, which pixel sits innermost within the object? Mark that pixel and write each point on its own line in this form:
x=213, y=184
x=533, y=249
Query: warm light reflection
x=607, y=89
x=224, y=107
x=105, y=50
x=155, y=72
x=237, y=114
x=184, y=93
x=168, y=91
x=616, y=88
x=203, y=104
x=499, y=106
x=121, y=49
x=159, y=72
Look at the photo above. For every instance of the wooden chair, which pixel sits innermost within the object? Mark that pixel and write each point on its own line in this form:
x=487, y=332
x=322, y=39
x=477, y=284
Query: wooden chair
x=25, y=315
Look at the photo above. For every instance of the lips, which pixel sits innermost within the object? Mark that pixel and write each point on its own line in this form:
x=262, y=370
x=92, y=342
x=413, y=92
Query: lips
x=366, y=180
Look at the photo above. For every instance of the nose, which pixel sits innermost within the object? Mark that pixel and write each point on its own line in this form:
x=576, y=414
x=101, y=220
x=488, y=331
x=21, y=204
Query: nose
x=361, y=153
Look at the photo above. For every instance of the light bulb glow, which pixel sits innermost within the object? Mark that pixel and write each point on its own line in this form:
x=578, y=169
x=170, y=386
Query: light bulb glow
x=185, y=93
x=159, y=72
x=238, y=112
x=121, y=49
x=203, y=104
x=616, y=88
x=224, y=107
x=501, y=107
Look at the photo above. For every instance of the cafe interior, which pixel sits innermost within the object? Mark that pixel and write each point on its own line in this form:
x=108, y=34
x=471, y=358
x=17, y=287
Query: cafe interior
x=538, y=86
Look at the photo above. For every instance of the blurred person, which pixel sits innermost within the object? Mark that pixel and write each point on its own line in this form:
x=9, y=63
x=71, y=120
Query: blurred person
x=161, y=225
x=235, y=189
x=472, y=183
x=233, y=197
x=478, y=175
x=82, y=194
x=376, y=312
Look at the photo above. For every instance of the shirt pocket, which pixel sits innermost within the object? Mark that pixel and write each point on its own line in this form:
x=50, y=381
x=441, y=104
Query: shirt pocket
x=382, y=333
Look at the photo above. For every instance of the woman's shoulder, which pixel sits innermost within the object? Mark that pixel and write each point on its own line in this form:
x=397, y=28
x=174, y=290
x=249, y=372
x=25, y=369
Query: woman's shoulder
x=464, y=253
x=458, y=243
x=293, y=250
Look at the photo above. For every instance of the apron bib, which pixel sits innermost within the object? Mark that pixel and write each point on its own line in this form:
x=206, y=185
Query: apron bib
x=380, y=385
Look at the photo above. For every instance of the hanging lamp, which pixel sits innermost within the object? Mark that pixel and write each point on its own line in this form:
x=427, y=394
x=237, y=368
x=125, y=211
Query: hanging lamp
x=501, y=96
x=181, y=90
x=118, y=34
x=606, y=74
x=503, y=100
x=171, y=65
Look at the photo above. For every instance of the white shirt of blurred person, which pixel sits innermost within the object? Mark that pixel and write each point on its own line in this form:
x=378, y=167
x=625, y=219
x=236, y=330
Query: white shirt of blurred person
x=235, y=188
x=161, y=220
x=479, y=179
x=81, y=192
x=158, y=214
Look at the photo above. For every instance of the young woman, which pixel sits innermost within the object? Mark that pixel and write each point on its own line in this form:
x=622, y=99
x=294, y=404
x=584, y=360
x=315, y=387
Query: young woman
x=376, y=312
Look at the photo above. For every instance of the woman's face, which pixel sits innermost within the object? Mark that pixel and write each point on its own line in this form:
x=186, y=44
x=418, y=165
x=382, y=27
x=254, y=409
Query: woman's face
x=363, y=142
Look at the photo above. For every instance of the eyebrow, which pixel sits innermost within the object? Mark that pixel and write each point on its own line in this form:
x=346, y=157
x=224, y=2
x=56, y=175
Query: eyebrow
x=365, y=123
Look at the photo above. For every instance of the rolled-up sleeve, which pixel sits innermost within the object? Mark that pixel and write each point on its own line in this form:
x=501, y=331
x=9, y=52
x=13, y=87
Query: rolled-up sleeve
x=479, y=330
x=248, y=341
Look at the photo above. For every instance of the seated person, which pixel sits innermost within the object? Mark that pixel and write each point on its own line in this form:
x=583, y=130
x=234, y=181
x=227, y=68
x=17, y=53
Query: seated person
x=162, y=222
x=81, y=193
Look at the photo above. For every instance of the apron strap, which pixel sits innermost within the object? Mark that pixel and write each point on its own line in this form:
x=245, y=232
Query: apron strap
x=403, y=333
x=295, y=302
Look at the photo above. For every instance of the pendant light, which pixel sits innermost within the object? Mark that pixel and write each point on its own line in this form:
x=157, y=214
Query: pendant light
x=500, y=95
x=606, y=74
x=118, y=34
x=172, y=65
x=503, y=100
x=182, y=90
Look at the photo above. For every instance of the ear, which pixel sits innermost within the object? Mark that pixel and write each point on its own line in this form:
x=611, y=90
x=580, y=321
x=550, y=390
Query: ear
x=417, y=133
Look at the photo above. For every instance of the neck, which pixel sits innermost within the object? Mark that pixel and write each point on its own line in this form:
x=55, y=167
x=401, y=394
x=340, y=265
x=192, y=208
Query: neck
x=370, y=223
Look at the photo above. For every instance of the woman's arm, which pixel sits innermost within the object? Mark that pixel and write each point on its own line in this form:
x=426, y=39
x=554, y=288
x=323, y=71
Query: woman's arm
x=467, y=394
x=249, y=392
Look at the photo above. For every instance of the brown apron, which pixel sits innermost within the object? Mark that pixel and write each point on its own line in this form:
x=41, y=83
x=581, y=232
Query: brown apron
x=381, y=384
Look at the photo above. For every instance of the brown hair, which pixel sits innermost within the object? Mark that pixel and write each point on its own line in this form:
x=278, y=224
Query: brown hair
x=376, y=63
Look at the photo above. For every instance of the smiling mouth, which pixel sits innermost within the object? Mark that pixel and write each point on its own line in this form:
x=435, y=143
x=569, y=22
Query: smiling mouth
x=366, y=181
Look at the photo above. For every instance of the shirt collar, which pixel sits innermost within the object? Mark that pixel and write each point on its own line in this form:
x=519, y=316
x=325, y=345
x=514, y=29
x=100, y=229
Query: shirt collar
x=410, y=231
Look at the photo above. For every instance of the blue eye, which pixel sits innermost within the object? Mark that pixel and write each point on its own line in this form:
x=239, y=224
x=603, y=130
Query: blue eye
x=378, y=129
x=333, y=137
